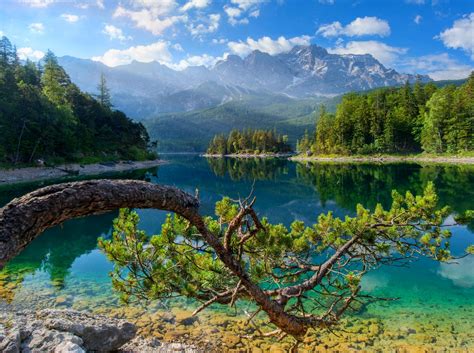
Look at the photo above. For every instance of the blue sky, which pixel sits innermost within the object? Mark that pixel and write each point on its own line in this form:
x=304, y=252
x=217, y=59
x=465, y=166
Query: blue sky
x=414, y=36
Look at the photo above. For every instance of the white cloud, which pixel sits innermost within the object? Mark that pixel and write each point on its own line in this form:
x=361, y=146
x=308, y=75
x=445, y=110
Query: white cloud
x=417, y=19
x=36, y=27
x=177, y=47
x=237, y=12
x=2, y=34
x=219, y=41
x=197, y=60
x=247, y=4
x=115, y=33
x=157, y=7
x=86, y=5
x=327, y=2
x=267, y=45
x=30, y=53
x=211, y=25
x=384, y=53
x=254, y=13
x=460, y=35
x=195, y=4
x=157, y=51
x=233, y=11
x=38, y=3
x=69, y=17
x=361, y=26
x=460, y=273
x=416, y=2
x=438, y=67
x=153, y=16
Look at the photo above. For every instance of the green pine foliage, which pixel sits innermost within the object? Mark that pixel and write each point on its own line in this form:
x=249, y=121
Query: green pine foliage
x=422, y=118
x=43, y=115
x=249, y=141
x=318, y=267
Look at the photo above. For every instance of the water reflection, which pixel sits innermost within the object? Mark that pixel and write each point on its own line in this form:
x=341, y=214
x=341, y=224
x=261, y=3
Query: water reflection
x=53, y=253
x=57, y=249
x=249, y=168
x=67, y=256
x=369, y=184
x=461, y=272
x=9, y=192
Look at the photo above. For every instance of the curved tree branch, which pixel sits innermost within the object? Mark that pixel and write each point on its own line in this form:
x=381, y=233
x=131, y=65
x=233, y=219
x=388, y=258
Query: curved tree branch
x=24, y=218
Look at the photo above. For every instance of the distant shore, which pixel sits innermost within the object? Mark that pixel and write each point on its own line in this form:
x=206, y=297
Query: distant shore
x=248, y=155
x=31, y=174
x=388, y=159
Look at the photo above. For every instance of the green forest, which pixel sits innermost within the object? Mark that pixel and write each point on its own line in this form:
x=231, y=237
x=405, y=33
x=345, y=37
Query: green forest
x=249, y=141
x=408, y=119
x=43, y=115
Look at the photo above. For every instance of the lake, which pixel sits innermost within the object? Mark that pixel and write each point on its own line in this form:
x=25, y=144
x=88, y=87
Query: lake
x=63, y=267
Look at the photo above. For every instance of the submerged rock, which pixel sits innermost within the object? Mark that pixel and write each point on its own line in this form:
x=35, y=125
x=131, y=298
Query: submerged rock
x=70, y=331
x=62, y=331
x=99, y=333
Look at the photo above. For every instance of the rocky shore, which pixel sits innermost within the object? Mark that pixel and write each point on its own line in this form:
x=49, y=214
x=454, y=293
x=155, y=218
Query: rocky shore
x=249, y=155
x=70, y=331
x=21, y=175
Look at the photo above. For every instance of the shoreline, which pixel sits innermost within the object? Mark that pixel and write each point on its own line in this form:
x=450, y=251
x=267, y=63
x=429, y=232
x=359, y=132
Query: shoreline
x=387, y=159
x=248, y=155
x=33, y=174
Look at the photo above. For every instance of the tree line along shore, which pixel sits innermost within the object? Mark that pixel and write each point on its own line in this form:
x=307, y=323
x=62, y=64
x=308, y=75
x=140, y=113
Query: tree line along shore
x=419, y=123
x=46, y=118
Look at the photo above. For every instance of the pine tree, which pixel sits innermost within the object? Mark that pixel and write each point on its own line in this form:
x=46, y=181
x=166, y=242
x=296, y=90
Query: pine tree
x=55, y=80
x=104, y=97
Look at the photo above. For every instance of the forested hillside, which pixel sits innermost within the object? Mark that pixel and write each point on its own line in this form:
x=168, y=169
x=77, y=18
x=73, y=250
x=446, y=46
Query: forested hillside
x=193, y=130
x=398, y=120
x=43, y=115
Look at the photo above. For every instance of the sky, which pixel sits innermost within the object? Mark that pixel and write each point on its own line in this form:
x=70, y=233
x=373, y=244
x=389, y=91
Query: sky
x=434, y=37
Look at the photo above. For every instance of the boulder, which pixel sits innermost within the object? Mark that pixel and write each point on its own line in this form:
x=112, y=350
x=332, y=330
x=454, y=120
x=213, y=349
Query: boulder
x=62, y=331
x=98, y=333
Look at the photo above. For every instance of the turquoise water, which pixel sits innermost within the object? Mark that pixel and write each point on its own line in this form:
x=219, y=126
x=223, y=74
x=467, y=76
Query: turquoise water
x=64, y=268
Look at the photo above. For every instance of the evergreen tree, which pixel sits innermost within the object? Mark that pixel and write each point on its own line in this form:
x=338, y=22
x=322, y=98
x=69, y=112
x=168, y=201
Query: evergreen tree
x=55, y=80
x=104, y=97
x=44, y=115
x=401, y=119
x=249, y=141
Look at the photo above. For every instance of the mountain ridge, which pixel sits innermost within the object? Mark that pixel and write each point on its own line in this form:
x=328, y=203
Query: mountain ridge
x=145, y=90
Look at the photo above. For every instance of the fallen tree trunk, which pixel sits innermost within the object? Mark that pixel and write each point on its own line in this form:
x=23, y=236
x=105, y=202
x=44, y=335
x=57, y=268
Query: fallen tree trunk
x=26, y=217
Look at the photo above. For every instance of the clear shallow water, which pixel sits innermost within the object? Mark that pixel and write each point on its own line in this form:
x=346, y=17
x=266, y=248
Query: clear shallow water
x=64, y=268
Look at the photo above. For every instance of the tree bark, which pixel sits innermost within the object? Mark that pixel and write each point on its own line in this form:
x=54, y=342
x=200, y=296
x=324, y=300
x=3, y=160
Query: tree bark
x=26, y=217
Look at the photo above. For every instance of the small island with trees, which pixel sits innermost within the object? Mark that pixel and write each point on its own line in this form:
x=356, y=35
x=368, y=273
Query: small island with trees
x=249, y=143
x=419, y=122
